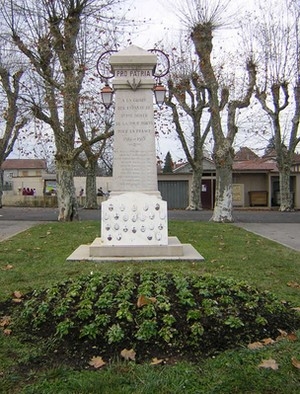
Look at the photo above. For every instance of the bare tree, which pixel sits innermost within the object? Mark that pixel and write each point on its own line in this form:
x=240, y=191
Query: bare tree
x=275, y=40
x=51, y=35
x=203, y=17
x=187, y=94
x=89, y=161
x=13, y=119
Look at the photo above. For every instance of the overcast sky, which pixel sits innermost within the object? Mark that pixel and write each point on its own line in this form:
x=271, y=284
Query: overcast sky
x=162, y=24
x=159, y=21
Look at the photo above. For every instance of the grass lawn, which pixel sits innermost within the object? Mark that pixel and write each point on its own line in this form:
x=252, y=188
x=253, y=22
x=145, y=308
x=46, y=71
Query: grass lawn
x=36, y=259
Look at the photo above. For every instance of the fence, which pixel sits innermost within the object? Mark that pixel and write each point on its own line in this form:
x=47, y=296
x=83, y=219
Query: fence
x=38, y=201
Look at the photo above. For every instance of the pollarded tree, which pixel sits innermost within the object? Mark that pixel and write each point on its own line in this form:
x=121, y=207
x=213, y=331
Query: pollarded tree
x=203, y=17
x=188, y=99
x=13, y=118
x=51, y=35
x=275, y=40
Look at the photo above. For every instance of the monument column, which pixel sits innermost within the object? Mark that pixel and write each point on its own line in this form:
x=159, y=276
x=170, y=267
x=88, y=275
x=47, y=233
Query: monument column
x=134, y=215
x=134, y=167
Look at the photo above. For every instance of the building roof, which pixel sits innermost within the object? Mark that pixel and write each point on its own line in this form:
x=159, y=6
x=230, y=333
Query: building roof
x=296, y=158
x=183, y=168
x=24, y=164
x=245, y=160
x=245, y=154
x=258, y=164
x=272, y=154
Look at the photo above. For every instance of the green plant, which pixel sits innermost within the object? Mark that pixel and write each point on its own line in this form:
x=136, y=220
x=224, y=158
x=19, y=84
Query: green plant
x=85, y=309
x=90, y=330
x=167, y=331
x=183, y=293
x=210, y=307
x=147, y=330
x=147, y=312
x=261, y=320
x=193, y=314
x=105, y=300
x=63, y=328
x=197, y=329
x=234, y=322
x=62, y=308
x=115, y=333
x=123, y=311
x=163, y=304
x=42, y=313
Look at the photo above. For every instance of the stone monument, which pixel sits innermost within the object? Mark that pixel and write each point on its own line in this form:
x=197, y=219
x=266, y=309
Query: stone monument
x=134, y=220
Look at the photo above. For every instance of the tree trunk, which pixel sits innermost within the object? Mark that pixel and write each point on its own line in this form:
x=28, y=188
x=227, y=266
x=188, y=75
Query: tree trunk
x=195, y=203
x=223, y=199
x=284, y=163
x=66, y=196
x=90, y=186
x=223, y=152
x=286, y=200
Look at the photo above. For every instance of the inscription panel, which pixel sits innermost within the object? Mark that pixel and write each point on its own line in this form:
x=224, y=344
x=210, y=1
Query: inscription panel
x=133, y=73
x=134, y=145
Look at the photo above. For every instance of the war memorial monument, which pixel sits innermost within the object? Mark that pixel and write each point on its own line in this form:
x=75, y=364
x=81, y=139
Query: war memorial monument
x=134, y=219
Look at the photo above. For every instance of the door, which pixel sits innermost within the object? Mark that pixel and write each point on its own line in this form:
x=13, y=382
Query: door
x=208, y=193
x=176, y=193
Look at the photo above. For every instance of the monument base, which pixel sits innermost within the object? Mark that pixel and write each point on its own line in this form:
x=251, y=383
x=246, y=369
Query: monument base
x=99, y=252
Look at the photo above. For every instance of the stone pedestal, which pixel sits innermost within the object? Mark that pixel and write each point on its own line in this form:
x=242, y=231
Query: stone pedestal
x=134, y=222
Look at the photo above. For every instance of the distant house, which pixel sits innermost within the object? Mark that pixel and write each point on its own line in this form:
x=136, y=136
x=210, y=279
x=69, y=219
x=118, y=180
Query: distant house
x=24, y=167
x=207, y=187
x=24, y=173
x=255, y=181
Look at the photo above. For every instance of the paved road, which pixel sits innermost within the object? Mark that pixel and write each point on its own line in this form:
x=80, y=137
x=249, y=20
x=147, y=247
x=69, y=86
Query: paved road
x=282, y=227
x=240, y=216
x=9, y=228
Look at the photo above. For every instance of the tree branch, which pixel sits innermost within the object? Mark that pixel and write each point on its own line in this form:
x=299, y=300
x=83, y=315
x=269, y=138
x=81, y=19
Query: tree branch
x=242, y=103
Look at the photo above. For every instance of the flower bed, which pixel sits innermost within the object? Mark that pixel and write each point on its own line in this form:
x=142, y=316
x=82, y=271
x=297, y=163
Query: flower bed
x=156, y=314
